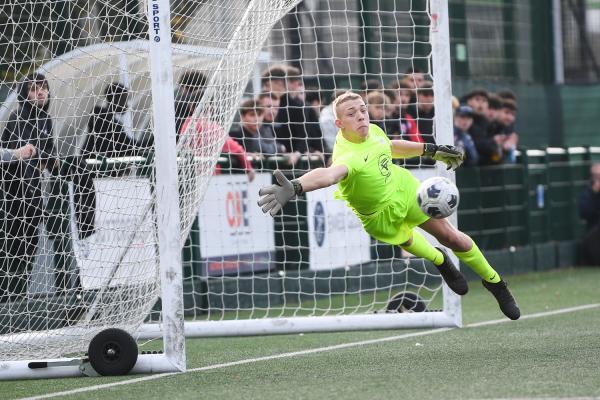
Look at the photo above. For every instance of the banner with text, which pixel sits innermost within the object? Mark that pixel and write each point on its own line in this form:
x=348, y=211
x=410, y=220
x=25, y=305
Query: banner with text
x=235, y=235
x=336, y=236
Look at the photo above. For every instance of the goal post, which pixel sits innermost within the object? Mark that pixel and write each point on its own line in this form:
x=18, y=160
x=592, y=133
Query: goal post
x=108, y=196
x=138, y=211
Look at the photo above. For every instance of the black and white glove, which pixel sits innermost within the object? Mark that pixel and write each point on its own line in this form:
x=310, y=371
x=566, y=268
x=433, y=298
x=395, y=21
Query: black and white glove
x=274, y=197
x=447, y=154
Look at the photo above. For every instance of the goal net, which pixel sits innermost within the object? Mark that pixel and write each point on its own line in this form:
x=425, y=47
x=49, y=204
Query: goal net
x=110, y=117
x=312, y=267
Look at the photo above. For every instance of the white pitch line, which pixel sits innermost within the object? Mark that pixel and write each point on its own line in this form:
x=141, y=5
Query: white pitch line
x=304, y=352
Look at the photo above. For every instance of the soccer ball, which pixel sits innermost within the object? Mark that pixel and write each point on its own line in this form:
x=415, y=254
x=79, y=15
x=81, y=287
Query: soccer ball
x=438, y=197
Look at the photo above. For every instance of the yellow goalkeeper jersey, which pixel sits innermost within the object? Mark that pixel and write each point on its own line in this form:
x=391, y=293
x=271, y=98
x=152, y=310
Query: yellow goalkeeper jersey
x=372, y=178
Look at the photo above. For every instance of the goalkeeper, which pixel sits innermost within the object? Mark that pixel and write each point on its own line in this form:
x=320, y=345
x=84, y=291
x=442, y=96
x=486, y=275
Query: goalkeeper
x=383, y=196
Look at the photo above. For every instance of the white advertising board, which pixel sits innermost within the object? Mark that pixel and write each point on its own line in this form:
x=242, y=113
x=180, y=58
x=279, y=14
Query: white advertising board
x=122, y=250
x=336, y=236
x=231, y=223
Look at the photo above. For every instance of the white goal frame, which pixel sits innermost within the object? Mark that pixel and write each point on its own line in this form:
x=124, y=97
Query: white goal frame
x=449, y=316
x=172, y=358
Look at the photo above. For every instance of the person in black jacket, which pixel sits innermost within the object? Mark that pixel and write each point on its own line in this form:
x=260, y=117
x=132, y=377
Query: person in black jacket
x=589, y=199
x=298, y=125
x=489, y=150
x=106, y=133
x=30, y=126
x=589, y=210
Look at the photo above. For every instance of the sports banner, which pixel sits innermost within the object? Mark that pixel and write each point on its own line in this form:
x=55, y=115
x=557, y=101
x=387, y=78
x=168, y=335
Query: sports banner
x=122, y=246
x=235, y=235
x=336, y=236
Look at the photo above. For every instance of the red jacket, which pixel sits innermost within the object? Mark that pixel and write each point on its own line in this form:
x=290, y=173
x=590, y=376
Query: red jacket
x=230, y=146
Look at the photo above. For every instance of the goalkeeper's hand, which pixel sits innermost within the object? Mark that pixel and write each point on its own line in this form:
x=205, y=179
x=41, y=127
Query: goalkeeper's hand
x=274, y=197
x=447, y=154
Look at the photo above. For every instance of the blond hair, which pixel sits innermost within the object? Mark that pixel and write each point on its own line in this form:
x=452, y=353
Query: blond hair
x=342, y=98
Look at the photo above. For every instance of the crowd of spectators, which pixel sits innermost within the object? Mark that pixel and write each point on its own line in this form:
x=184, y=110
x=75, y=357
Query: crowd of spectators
x=286, y=119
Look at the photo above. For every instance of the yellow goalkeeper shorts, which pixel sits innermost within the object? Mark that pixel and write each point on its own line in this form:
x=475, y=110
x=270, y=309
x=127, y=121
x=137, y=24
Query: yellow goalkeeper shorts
x=395, y=222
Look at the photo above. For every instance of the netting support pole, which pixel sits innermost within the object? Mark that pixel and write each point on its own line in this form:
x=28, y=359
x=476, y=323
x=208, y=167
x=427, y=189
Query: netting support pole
x=444, y=130
x=167, y=189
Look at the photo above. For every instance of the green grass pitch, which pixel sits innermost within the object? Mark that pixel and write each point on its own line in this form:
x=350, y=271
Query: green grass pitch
x=547, y=355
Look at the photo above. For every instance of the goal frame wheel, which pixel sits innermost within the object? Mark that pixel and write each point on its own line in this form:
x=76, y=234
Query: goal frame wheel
x=406, y=302
x=113, y=352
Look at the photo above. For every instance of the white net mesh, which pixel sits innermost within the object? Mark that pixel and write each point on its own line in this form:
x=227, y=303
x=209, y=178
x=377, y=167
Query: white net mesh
x=79, y=234
x=79, y=248
x=315, y=258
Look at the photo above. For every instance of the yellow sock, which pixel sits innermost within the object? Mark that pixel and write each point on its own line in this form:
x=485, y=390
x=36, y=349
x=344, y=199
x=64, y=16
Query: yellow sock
x=422, y=248
x=475, y=259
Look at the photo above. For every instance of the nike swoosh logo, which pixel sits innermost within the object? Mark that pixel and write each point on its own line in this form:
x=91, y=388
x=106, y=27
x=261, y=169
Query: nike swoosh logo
x=493, y=277
x=366, y=158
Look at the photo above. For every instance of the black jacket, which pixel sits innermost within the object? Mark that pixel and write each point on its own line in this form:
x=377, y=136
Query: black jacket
x=489, y=151
x=106, y=136
x=589, y=207
x=21, y=181
x=298, y=128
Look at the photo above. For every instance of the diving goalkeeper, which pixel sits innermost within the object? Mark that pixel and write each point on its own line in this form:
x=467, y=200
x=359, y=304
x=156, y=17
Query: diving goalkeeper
x=383, y=196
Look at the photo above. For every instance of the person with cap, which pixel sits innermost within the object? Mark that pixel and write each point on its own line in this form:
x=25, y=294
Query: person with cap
x=489, y=151
x=463, y=119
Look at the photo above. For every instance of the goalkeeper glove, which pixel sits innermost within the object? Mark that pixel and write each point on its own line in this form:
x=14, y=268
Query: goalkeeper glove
x=274, y=197
x=447, y=154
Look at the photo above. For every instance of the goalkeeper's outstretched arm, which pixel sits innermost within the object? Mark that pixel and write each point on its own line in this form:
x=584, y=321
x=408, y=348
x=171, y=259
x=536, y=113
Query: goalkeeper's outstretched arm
x=274, y=197
x=448, y=154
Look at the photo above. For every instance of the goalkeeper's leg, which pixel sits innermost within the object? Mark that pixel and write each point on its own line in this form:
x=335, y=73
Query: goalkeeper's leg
x=468, y=252
x=418, y=246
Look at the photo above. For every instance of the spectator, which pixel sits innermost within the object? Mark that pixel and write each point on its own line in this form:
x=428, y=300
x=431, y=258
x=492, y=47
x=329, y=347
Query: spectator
x=28, y=146
x=589, y=210
x=249, y=133
x=269, y=103
x=589, y=200
x=495, y=127
x=369, y=85
x=202, y=127
x=295, y=84
x=492, y=114
x=463, y=119
x=425, y=112
x=489, y=151
x=298, y=128
x=106, y=133
x=313, y=100
x=189, y=82
x=415, y=76
x=508, y=139
x=507, y=94
x=327, y=123
x=400, y=124
x=406, y=96
x=376, y=107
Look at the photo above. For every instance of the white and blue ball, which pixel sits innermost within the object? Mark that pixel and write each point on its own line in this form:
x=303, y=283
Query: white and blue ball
x=438, y=197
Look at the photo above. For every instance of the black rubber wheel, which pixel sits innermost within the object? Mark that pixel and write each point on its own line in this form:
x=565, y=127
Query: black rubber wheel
x=113, y=352
x=406, y=302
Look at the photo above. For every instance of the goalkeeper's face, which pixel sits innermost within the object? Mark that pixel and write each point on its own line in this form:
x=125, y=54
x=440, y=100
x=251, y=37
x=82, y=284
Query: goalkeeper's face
x=353, y=117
